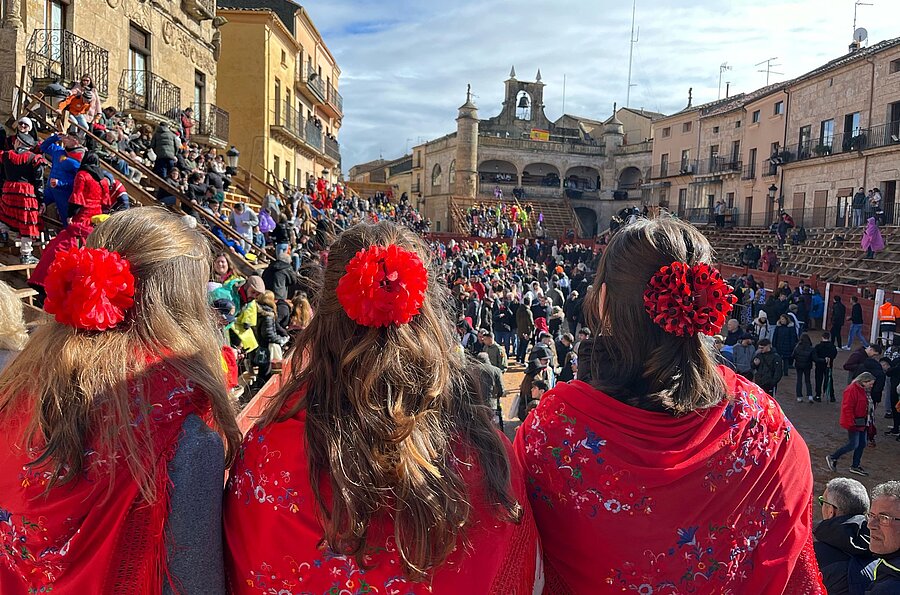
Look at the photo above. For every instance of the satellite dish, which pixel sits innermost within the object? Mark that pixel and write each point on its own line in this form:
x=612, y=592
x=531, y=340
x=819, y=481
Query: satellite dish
x=860, y=35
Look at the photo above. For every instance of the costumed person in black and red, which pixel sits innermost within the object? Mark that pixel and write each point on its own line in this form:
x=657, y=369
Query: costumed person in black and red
x=20, y=202
x=90, y=197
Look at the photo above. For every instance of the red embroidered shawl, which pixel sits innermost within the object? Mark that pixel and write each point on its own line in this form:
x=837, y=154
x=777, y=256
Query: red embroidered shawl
x=273, y=535
x=83, y=537
x=628, y=500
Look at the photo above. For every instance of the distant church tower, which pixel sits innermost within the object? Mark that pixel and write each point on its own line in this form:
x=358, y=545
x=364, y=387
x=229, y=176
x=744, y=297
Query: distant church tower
x=467, y=149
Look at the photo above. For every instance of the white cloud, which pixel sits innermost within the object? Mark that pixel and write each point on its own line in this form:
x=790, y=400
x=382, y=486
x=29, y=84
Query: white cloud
x=406, y=64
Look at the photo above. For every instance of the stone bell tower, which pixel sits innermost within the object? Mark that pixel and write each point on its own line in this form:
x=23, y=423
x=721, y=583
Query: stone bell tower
x=467, y=149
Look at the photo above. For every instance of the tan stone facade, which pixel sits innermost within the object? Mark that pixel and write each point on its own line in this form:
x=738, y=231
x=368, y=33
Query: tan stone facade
x=843, y=133
x=805, y=146
x=276, y=71
x=154, y=56
x=575, y=161
x=720, y=151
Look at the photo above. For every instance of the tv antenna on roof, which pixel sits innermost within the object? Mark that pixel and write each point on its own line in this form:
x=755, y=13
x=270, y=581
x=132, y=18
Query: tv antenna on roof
x=769, y=66
x=633, y=40
x=722, y=68
x=856, y=5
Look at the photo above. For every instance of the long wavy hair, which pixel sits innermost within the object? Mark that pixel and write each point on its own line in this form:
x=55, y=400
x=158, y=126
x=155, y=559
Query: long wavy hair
x=388, y=410
x=634, y=359
x=75, y=383
x=13, y=333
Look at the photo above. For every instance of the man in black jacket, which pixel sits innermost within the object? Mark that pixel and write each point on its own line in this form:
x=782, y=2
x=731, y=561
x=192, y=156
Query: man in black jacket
x=884, y=531
x=280, y=277
x=842, y=538
x=838, y=316
x=866, y=360
x=824, y=355
x=768, y=367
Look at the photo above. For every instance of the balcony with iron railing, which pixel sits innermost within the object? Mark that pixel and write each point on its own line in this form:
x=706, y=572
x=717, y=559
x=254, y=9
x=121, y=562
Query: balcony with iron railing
x=287, y=124
x=749, y=172
x=212, y=125
x=488, y=139
x=335, y=101
x=875, y=137
x=332, y=149
x=314, y=135
x=311, y=84
x=672, y=170
x=141, y=90
x=59, y=55
x=718, y=166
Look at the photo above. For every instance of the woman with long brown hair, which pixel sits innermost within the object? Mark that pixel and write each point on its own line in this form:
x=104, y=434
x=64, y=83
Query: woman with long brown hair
x=376, y=468
x=659, y=471
x=110, y=481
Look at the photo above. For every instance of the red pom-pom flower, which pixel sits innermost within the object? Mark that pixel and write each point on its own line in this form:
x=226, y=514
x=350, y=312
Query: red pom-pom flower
x=89, y=288
x=685, y=300
x=383, y=286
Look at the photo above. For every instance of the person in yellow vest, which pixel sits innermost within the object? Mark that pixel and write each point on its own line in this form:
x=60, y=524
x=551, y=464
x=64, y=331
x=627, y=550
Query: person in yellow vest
x=887, y=320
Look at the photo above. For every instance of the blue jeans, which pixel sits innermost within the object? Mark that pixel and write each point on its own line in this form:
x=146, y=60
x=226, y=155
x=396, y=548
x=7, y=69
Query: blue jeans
x=60, y=197
x=162, y=166
x=856, y=331
x=507, y=340
x=856, y=441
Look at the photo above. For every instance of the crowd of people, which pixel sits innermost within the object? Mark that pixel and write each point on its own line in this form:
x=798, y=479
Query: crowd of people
x=121, y=428
x=504, y=220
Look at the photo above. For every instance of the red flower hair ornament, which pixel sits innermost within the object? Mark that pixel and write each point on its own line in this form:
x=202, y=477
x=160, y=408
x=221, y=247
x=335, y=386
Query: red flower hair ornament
x=685, y=300
x=383, y=286
x=89, y=288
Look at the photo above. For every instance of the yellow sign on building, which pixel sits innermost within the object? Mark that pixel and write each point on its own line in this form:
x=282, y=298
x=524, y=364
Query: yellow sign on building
x=541, y=135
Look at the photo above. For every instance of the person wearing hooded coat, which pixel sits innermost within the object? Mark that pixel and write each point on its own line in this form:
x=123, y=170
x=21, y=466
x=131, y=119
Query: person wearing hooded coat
x=872, y=241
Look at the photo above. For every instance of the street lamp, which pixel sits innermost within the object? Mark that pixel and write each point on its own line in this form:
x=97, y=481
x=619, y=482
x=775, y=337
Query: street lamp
x=772, y=190
x=325, y=173
x=232, y=155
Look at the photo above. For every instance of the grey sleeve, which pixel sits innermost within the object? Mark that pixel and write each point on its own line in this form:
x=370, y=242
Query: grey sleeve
x=194, y=527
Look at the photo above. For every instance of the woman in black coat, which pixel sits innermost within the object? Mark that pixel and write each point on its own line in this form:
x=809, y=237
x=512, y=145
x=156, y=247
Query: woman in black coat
x=784, y=339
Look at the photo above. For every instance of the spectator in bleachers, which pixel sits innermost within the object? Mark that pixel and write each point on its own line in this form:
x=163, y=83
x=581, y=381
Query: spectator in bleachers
x=858, y=206
x=21, y=174
x=243, y=219
x=165, y=145
x=64, y=153
x=872, y=241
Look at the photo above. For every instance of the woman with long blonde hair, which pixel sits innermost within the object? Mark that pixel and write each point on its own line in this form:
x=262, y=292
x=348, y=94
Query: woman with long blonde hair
x=13, y=332
x=377, y=468
x=110, y=481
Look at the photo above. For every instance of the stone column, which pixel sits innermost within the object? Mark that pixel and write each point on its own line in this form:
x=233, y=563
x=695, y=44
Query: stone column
x=13, y=18
x=467, y=149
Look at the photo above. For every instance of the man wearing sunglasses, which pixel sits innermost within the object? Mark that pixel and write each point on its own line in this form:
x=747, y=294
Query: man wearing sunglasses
x=884, y=527
x=842, y=538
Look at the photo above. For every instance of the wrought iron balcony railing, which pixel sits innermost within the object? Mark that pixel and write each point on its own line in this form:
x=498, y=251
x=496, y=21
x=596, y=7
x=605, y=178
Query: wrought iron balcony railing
x=719, y=166
x=874, y=137
x=311, y=79
x=335, y=99
x=749, y=172
x=62, y=55
x=213, y=122
x=333, y=149
x=140, y=89
x=671, y=170
x=313, y=135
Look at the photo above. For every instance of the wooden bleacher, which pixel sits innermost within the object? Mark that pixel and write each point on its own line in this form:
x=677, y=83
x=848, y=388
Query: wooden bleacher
x=558, y=215
x=832, y=254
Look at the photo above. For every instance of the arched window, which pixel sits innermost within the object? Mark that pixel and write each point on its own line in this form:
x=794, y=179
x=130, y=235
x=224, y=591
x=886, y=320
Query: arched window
x=451, y=175
x=436, y=176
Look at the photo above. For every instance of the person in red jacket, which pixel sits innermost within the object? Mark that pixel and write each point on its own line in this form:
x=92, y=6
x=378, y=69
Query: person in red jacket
x=856, y=415
x=90, y=191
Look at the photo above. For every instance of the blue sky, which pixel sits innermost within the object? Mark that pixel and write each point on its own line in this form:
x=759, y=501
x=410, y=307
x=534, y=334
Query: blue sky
x=405, y=64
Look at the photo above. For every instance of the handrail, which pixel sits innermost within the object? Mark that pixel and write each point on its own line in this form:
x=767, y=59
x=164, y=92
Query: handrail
x=158, y=182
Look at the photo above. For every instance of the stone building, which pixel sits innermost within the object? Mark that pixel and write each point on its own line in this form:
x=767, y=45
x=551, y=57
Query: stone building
x=720, y=151
x=574, y=163
x=843, y=133
x=277, y=72
x=151, y=58
x=804, y=145
x=397, y=173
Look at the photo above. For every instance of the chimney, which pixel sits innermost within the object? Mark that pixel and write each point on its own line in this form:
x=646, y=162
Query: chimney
x=854, y=45
x=727, y=89
x=690, y=97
